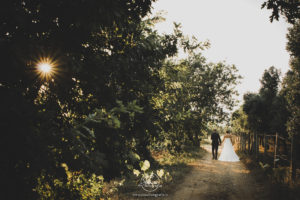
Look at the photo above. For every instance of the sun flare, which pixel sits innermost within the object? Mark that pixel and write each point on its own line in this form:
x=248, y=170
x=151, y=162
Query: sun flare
x=46, y=68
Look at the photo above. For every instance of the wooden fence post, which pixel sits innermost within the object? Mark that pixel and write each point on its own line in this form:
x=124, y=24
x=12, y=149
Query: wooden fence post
x=244, y=142
x=293, y=161
x=249, y=141
x=241, y=141
x=257, y=145
x=265, y=147
x=254, y=143
x=240, y=136
x=275, y=149
x=250, y=144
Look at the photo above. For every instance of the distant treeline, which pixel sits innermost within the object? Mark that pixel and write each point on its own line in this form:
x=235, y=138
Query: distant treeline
x=276, y=107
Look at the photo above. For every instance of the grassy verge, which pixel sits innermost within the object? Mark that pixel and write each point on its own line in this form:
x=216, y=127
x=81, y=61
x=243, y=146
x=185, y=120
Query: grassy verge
x=177, y=166
x=267, y=180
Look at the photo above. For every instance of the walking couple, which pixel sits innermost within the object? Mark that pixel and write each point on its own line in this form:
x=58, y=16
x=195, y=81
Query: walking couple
x=227, y=153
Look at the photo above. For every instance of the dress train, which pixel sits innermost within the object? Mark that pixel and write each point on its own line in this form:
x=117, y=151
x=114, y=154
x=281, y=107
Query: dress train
x=228, y=153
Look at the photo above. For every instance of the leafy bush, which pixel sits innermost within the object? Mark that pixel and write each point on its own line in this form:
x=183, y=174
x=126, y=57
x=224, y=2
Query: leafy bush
x=77, y=185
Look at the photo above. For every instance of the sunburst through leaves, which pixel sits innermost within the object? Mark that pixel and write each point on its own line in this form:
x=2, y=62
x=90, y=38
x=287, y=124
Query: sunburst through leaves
x=46, y=68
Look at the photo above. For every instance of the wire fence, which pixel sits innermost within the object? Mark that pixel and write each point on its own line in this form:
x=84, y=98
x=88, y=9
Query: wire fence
x=272, y=149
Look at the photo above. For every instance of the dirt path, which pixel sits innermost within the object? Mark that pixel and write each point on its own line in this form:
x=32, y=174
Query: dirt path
x=216, y=180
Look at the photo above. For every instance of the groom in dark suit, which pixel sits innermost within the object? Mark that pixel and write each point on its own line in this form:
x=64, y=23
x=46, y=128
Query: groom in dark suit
x=216, y=141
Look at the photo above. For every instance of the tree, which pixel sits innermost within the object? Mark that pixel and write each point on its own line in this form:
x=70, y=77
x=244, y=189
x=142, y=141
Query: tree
x=263, y=108
x=291, y=91
x=288, y=8
x=239, y=122
x=291, y=10
x=292, y=81
x=194, y=94
x=92, y=116
x=269, y=95
x=105, y=59
x=254, y=108
x=265, y=112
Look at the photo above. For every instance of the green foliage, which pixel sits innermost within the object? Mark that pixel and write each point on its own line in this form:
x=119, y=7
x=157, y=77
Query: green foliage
x=102, y=61
x=291, y=86
x=277, y=175
x=288, y=8
x=194, y=94
x=281, y=174
x=77, y=186
x=268, y=170
x=266, y=111
x=239, y=121
x=114, y=94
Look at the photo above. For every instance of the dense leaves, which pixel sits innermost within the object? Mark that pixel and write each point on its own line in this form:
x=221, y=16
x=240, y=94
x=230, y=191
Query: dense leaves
x=275, y=109
x=292, y=82
x=115, y=94
x=100, y=51
x=266, y=111
x=195, y=94
x=288, y=8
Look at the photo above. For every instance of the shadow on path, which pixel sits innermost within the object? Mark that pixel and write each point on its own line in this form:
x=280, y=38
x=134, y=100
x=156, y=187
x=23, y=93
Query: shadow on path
x=217, y=180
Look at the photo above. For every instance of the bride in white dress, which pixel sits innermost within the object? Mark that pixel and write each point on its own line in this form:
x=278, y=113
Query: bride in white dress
x=228, y=153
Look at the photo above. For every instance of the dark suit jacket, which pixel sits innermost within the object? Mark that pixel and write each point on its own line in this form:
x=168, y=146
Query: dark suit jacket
x=216, y=140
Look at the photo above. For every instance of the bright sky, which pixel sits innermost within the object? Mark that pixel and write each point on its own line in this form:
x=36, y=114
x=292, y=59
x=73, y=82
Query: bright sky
x=239, y=31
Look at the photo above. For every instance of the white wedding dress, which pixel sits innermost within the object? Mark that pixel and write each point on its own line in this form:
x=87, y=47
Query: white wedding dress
x=228, y=153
